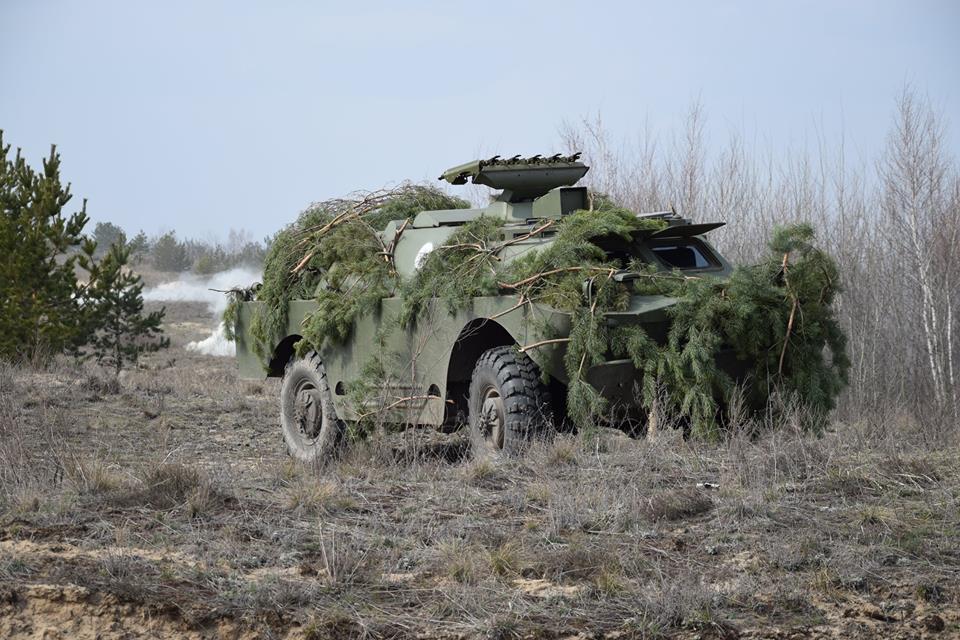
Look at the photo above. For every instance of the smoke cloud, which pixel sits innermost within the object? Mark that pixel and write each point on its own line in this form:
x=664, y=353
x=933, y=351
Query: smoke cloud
x=216, y=344
x=193, y=288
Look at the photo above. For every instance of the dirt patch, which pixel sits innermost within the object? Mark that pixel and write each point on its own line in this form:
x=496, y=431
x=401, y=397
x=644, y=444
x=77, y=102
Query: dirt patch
x=546, y=589
x=62, y=612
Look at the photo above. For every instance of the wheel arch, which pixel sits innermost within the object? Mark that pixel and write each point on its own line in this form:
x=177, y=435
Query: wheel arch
x=282, y=354
x=477, y=336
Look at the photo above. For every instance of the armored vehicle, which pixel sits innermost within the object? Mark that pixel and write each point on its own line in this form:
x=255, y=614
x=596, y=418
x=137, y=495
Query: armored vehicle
x=486, y=363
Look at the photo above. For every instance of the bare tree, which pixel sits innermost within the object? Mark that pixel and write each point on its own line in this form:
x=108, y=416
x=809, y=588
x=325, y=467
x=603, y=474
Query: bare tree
x=687, y=172
x=914, y=173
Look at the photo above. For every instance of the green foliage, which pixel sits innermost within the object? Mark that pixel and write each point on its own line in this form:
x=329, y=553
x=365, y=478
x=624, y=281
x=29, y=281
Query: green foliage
x=43, y=305
x=556, y=275
x=169, y=254
x=207, y=258
x=139, y=245
x=462, y=268
x=773, y=320
x=231, y=313
x=369, y=394
x=743, y=321
x=579, y=253
x=354, y=274
x=334, y=254
x=207, y=264
x=409, y=200
x=40, y=251
x=467, y=266
x=280, y=285
x=230, y=317
x=117, y=329
x=107, y=234
x=365, y=392
x=587, y=347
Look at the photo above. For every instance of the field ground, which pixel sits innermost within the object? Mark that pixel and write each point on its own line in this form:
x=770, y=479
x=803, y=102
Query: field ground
x=163, y=506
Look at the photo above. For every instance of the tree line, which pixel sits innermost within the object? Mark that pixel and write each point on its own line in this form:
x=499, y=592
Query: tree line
x=167, y=253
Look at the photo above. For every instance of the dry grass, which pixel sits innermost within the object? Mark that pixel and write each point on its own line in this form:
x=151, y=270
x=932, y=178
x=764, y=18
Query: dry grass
x=677, y=504
x=171, y=492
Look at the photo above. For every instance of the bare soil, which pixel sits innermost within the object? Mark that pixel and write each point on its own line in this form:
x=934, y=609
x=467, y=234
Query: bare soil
x=162, y=505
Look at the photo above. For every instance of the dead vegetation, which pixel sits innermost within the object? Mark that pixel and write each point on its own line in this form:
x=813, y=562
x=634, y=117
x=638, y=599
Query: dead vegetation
x=164, y=507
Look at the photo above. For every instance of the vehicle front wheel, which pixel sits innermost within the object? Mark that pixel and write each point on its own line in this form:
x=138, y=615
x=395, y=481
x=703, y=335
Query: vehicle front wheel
x=508, y=403
x=310, y=425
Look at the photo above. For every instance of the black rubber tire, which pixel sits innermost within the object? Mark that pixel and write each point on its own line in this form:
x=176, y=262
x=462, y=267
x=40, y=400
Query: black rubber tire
x=311, y=428
x=524, y=401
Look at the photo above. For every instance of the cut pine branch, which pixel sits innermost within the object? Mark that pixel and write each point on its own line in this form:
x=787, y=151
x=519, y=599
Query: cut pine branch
x=793, y=312
x=786, y=338
x=544, y=274
x=397, y=403
x=523, y=301
x=542, y=343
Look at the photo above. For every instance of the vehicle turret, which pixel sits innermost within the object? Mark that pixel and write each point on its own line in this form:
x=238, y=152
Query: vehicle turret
x=533, y=190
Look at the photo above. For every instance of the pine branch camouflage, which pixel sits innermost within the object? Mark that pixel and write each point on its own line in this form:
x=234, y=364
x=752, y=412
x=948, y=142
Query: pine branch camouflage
x=773, y=321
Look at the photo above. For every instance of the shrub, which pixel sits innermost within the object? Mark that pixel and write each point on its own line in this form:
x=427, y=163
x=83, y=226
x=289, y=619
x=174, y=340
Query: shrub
x=118, y=329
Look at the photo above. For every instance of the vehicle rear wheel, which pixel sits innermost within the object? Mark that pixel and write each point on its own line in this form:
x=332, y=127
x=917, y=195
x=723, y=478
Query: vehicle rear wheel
x=508, y=403
x=310, y=425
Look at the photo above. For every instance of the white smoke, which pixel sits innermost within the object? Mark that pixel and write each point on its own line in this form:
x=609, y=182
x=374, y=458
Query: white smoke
x=194, y=288
x=216, y=344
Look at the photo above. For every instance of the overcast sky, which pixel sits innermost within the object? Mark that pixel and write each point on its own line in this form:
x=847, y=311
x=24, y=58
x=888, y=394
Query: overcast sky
x=201, y=116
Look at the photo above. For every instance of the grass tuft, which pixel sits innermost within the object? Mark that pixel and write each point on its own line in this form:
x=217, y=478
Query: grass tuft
x=677, y=504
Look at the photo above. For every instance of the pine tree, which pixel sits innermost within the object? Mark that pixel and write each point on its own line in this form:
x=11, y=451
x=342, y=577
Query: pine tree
x=169, y=254
x=113, y=313
x=138, y=245
x=43, y=306
x=107, y=234
x=40, y=250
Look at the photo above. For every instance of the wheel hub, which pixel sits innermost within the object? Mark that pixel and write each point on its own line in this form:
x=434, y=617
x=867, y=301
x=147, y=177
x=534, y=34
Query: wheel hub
x=491, y=418
x=308, y=411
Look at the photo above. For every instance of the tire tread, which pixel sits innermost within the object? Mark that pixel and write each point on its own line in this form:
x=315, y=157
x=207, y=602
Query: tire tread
x=526, y=400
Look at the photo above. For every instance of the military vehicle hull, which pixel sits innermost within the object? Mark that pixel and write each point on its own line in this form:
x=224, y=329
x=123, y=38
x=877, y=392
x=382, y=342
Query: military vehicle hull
x=496, y=363
x=438, y=354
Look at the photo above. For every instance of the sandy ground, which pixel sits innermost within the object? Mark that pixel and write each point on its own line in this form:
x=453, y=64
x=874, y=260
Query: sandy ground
x=162, y=505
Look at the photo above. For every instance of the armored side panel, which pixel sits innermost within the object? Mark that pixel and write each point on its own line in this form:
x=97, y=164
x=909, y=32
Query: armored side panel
x=418, y=358
x=249, y=365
